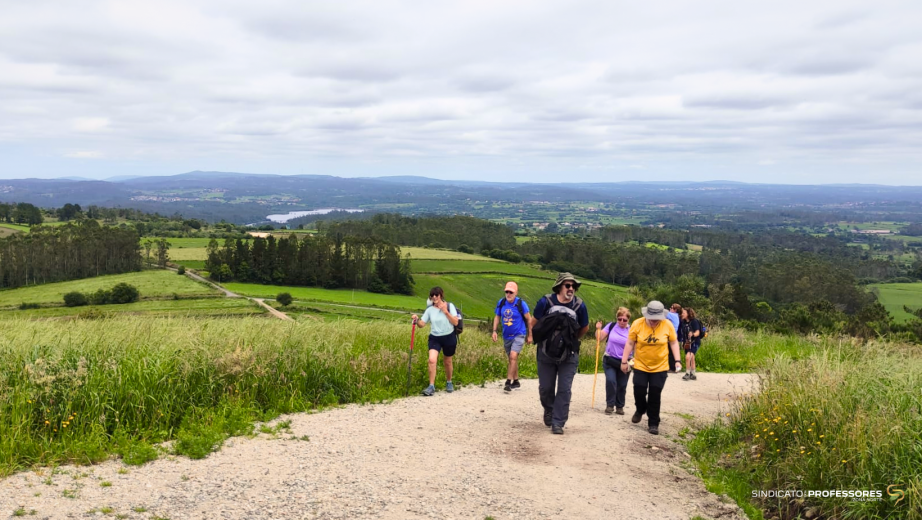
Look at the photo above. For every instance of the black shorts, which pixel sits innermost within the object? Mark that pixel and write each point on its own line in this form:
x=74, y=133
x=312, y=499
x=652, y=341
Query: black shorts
x=444, y=344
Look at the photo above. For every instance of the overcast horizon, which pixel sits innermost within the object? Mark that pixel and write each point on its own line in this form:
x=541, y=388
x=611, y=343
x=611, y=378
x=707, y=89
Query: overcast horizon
x=782, y=93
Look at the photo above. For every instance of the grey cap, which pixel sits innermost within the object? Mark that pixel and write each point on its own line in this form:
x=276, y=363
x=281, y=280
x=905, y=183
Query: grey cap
x=654, y=311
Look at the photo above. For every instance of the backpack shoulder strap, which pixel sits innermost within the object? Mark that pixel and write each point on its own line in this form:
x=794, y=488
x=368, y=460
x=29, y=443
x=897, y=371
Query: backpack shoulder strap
x=499, y=304
x=518, y=305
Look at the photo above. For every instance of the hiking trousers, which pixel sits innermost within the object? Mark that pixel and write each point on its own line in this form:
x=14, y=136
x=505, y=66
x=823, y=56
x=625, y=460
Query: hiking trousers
x=615, y=382
x=555, y=381
x=648, y=390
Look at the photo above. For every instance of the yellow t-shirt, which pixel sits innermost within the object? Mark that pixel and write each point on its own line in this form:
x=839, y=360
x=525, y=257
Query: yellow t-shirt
x=651, y=347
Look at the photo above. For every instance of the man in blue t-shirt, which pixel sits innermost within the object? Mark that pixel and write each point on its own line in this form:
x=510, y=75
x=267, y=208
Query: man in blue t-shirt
x=513, y=312
x=559, y=373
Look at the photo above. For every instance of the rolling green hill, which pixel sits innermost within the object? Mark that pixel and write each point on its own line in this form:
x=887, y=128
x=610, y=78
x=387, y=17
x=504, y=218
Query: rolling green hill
x=894, y=296
x=154, y=283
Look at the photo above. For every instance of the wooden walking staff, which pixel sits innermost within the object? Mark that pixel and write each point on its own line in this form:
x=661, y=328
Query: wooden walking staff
x=598, y=339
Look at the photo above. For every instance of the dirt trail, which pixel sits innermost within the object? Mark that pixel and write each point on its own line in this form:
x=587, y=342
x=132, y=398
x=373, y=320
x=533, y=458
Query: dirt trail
x=474, y=453
x=272, y=310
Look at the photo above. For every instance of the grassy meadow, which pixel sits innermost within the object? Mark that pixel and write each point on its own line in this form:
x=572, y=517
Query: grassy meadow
x=150, y=283
x=893, y=296
x=846, y=416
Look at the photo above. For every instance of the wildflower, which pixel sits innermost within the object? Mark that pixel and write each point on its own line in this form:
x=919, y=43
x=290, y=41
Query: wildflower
x=844, y=461
x=771, y=433
x=728, y=415
x=817, y=442
x=778, y=450
x=47, y=422
x=757, y=436
x=801, y=452
x=809, y=429
x=793, y=431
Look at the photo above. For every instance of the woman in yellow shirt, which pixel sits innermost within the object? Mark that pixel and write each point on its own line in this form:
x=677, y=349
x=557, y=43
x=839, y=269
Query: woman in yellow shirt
x=652, y=336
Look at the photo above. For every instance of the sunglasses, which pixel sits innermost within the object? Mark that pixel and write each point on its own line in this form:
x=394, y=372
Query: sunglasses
x=570, y=285
x=509, y=292
x=623, y=319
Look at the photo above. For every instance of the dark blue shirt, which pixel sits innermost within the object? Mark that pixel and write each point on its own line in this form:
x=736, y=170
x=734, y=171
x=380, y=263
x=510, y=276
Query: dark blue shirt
x=582, y=314
x=511, y=318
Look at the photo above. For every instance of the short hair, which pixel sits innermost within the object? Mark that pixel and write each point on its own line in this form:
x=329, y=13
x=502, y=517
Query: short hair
x=437, y=291
x=623, y=311
x=676, y=308
x=691, y=313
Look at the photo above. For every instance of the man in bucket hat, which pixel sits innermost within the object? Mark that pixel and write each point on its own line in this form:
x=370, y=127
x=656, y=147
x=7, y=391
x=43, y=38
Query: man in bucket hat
x=652, y=336
x=559, y=321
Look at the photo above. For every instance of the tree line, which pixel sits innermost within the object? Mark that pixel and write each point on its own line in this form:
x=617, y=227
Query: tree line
x=21, y=213
x=330, y=261
x=68, y=252
x=448, y=232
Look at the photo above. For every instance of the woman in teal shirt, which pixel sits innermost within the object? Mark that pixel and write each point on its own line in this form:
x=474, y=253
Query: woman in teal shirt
x=443, y=316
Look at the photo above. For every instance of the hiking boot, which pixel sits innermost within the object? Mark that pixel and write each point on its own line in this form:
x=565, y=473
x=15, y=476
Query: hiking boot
x=557, y=430
x=654, y=430
x=693, y=377
x=687, y=376
x=619, y=411
x=516, y=385
x=609, y=410
x=636, y=418
x=548, y=417
x=429, y=391
x=508, y=387
x=449, y=387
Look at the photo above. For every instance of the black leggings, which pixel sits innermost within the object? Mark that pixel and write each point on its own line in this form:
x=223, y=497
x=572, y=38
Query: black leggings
x=648, y=389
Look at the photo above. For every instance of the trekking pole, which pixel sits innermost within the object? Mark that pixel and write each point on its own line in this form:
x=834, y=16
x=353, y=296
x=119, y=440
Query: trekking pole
x=598, y=339
x=410, y=357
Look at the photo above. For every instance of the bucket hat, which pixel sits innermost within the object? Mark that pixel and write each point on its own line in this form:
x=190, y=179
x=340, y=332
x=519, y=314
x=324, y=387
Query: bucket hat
x=565, y=277
x=654, y=310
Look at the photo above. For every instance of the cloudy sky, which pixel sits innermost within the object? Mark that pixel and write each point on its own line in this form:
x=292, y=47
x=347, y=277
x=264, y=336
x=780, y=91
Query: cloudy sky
x=547, y=91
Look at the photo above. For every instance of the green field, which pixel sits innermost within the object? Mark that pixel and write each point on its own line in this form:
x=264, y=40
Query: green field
x=422, y=253
x=193, y=308
x=15, y=227
x=185, y=253
x=153, y=283
x=344, y=296
x=894, y=296
x=198, y=265
x=476, y=266
x=476, y=294
x=184, y=243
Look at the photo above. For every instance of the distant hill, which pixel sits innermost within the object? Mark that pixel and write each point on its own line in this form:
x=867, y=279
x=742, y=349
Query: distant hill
x=248, y=197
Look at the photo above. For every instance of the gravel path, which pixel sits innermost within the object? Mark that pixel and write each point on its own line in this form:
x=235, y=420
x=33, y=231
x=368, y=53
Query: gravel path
x=472, y=454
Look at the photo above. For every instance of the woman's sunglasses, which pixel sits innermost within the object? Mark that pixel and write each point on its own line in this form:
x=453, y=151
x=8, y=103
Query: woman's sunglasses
x=623, y=319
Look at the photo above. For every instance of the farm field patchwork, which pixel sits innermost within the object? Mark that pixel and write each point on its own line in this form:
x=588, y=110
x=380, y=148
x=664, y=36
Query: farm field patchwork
x=149, y=283
x=893, y=296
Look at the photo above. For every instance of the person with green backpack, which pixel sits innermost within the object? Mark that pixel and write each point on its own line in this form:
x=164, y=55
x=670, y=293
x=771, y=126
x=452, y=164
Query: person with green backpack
x=513, y=312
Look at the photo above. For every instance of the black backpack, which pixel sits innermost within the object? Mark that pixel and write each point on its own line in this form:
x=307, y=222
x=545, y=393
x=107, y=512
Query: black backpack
x=518, y=305
x=557, y=332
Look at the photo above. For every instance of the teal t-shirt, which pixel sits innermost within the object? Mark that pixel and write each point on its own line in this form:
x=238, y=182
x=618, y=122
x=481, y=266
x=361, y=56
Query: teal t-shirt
x=440, y=324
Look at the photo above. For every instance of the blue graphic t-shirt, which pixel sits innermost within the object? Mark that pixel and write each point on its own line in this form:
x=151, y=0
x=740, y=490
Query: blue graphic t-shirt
x=512, y=320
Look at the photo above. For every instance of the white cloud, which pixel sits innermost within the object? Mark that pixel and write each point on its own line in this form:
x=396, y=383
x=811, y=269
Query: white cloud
x=84, y=155
x=537, y=87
